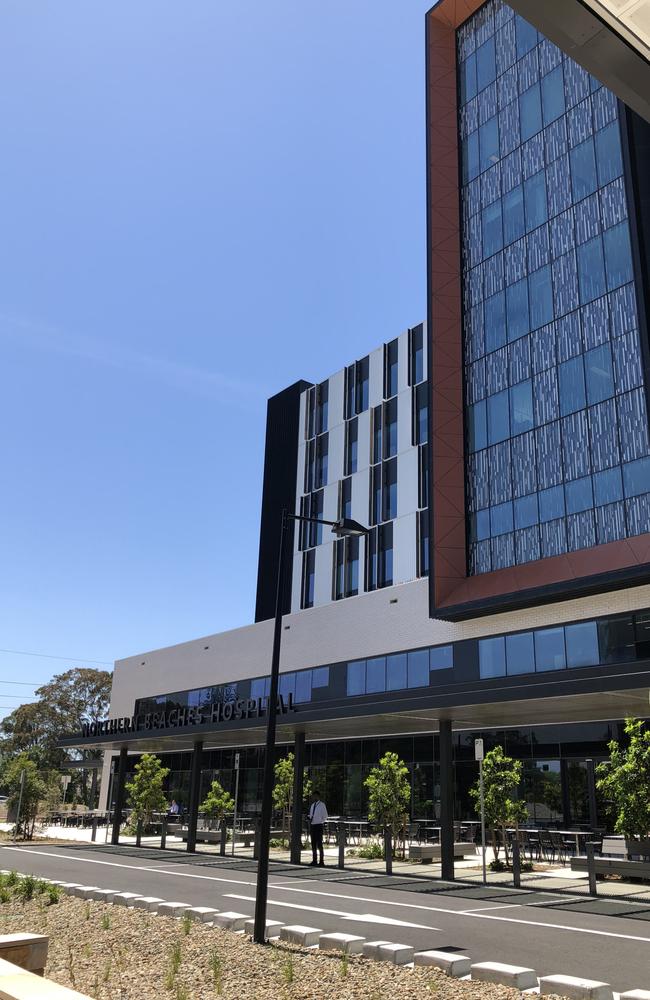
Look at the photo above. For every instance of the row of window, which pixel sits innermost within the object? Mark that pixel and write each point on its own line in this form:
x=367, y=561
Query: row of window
x=299, y=684
x=345, y=570
x=481, y=67
x=585, y=644
x=398, y=671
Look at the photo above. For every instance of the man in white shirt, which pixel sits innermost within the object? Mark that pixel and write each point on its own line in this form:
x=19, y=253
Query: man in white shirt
x=317, y=819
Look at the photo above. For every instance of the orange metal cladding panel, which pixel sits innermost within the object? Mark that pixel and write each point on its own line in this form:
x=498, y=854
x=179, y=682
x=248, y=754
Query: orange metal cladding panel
x=451, y=585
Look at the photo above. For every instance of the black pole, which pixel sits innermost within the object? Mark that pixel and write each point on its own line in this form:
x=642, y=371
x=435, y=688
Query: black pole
x=341, y=845
x=446, y=802
x=591, y=794
x=261, y=895
x=195, y=782
x=296, y=810
x=119, y=797
x=93, y=789
x=566, y=797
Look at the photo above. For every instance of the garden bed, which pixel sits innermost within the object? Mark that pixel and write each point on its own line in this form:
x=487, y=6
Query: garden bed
x=113, y=953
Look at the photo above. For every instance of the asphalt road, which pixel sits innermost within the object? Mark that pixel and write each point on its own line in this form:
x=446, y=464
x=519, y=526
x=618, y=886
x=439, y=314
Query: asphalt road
x=551, y=933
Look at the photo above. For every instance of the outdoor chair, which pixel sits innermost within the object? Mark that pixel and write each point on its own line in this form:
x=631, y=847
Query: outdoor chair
x=559, y=844
x=547, y=848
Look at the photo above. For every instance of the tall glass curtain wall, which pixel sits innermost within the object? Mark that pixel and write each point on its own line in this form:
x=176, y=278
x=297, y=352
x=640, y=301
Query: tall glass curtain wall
x=558, y=448
x=554, y=783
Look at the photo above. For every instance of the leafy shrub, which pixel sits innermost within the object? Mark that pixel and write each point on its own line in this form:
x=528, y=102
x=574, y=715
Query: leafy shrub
x=53, y=893
x=26, y=887
x=371, y=852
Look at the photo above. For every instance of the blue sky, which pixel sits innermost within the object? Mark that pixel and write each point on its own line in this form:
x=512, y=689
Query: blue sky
x=200, y=203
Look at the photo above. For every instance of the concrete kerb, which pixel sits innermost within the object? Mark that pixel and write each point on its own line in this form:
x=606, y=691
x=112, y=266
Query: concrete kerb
x=126, y=898
x=230, y=921
x=171, y=909
x=147, y=902
x=202, y=914
x=448, y=962
x=574, y=988
x=504, y=975
x=349, y=944
x=272, y=930
x=636, y=995
x=299, y=934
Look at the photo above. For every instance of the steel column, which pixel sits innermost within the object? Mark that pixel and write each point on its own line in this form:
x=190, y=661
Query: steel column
x=119, y=796
x=195, y=783
x=446, y=801
x=296, y=809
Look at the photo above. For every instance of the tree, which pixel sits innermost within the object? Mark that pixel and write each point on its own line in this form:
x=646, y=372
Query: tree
x=34, y=788
x=217, y=803
x=501, y=777
x=283, y=789
x=145, y=792
x=389, y=792
x=625, y=780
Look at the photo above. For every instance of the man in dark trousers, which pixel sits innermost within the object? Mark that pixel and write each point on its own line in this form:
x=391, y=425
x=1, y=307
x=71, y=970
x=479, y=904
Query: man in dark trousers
x=317, y=820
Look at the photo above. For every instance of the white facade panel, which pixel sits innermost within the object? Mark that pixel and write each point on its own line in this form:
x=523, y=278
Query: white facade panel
x=407, y=482
x=323, y=577
x=404, y=421
x=404, y=549
x=360, y=494
x=336, y=453
x=376, y=391
x=336, y=398
x=363, y=436
x=403, y=361
x=330, y=504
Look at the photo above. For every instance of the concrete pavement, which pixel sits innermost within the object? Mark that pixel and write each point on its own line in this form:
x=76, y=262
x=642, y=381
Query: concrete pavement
x=553, y=933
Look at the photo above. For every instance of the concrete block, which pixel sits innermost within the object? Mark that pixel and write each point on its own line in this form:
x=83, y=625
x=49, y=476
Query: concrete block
x=20, y=984
x=349, y=944
x=147, y=902
x=81, y=890
x=67, y=887
x=398, y=954
x=203, y=914
x=273, y=928
x=125, y=898
x=229, y=920
x=298, y=934
x=172, y=909
x=636, y=995
x=450, y=963
x=371, y=948
x=87, y=891
x=103, y=895
x=504, y=975
x=29, y=951
x=574, y=988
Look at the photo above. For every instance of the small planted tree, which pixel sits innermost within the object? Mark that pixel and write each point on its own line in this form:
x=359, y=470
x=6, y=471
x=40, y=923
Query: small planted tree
x=145, y=792
x=34, y=789
x=283, y=789
x=217, y=803
x=501, y=777
x=624, y=779
x=389, y=792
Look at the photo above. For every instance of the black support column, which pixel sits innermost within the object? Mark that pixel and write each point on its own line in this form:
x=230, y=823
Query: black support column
x=195, y=789
x=120, y=777
x=446, y=801
x=296, y=809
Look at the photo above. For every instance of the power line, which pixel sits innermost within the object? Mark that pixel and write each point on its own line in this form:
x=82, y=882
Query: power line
x=25, y=683
x=6, y=695
x=49, y=656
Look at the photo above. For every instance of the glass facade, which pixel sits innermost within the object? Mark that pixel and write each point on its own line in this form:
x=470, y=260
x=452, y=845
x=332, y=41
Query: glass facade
x=558, y=440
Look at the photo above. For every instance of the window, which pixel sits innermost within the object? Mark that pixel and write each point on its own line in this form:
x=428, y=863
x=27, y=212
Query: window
x=423, y=477
x=418, y=668
x=375, y=494
x=514, y=226
x=320, y=677
x=579, y=495
x=377, y=418
x=530, y=112
x=521, y=408
x=636, y=477
x=376, y=674
x=526, y=512
x=350, y=394
x=390, y=428
x=492, y=229
x=468, y=78
x=608, y=154
x=495, y=321
x=582, y=644
x=583, y=170
x=441, y=657
x=608, y=487
x=520, y=653
x=308, y=577
x=346, y=568
x=421, y=415
x=501, y=519
x=553, y=95
x=315, y=505
x=616, y=639
x=389, y=477
x=591, y=270
x=339, y=570
x=390, y=369
x=618, y=256
x=572, y=386
x=549, y=649
x=322, y=398
x=351, y=446
x=492, y=657
x=379, y=565
x=303, y=686
x=470, y=157
x=396, y=674
x=320, y=471
x=535, y=201
x=525, y=35
x=551, y=504
x=310, y=465
x=310, y=412
x=423, y=543
x=362, y=375
x=477, y=415
x=416, y=355
x=481, y=524
x=486, y=68
x=600, y=375
x=488, y=138
x=498, y=417
x=540, y=295
x=356, y=678
x=345, y=498
x=517, y=309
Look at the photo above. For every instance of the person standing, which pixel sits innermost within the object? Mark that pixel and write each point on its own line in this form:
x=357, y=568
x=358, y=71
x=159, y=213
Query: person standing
x=317, y=820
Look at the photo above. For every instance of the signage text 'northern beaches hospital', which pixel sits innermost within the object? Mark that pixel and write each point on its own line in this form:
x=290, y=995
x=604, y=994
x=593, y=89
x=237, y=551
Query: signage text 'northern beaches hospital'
x=177, y=718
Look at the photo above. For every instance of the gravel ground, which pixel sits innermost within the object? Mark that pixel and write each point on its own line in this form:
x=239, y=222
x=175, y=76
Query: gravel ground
x=113, y=953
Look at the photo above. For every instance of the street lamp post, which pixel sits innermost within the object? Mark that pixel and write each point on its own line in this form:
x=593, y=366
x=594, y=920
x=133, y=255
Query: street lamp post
x=341, y=528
